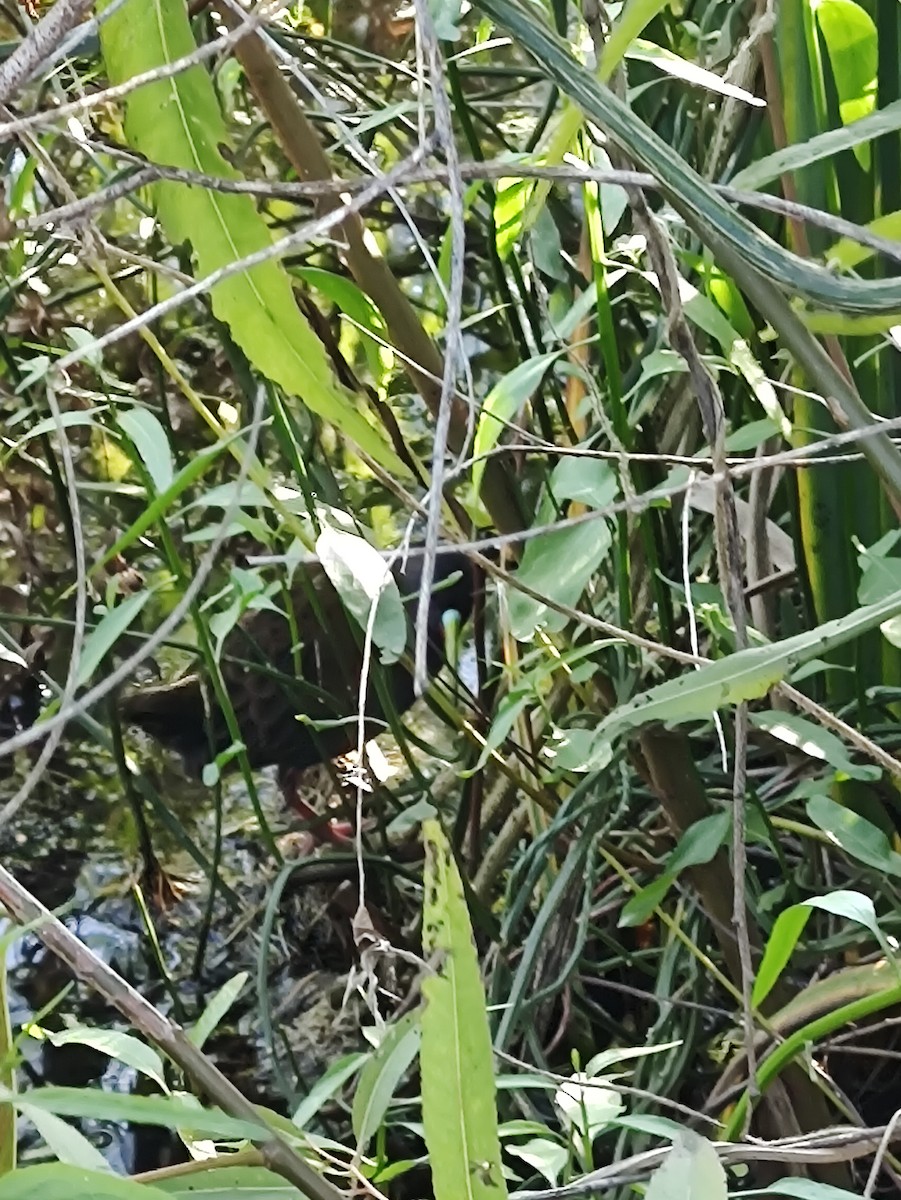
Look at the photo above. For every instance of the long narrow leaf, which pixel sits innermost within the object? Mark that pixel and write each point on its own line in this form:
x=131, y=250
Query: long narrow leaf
x=458, y=1090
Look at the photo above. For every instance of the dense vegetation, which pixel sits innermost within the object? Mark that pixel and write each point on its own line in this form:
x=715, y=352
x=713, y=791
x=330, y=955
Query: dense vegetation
x=608, y=296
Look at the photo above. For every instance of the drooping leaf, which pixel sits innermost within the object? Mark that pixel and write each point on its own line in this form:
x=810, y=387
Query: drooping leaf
x=746, y=675
x=168, y=1111
x=107, y=632
x=216, y=1009
x=502, y=404
x=177, y=122
x=362, y=578
x=124, y=1047
x=326, y=1086
x=64, y=1140
x=691, y=1171
x=856, y=836
x=151, y=443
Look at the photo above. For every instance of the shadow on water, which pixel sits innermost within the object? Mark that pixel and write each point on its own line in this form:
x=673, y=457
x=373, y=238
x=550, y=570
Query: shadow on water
x=73, y=845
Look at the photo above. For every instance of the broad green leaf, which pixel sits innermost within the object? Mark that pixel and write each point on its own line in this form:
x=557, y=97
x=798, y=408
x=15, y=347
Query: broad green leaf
x=558, y=565
x=691, y=1171
x=502, y=404
x=217, y=1008
x=746, y=675
x=124, y=1047
x=379, y=1078
x=855, y=835
x=104, y=635
x=544, y=1156
x=789, y=925
x=151, y=443
x=622, y=1054
x=168, y=1111
x=854, y=906
x=326, y=1086
x=591, y=481
x=458, y=1090
x=177, y=122
x=851, y=42
x=67, y=420
x=813, y=740
x=880, y=567
x=64, y=1140
x=58, y=1181
x=361, y=578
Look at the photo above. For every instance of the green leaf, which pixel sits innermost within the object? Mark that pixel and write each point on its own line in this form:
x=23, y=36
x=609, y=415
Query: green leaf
x=177, y=122
x=591, y=481
x=104, y=635
x=855, y=835
x=379, y=1078
x=746, y=675
x=326, y=1086
x=58, y=1181
x=558, y=565
x=547, y=1157
x=698, y=844
x=217, y=1008
x=851, y=42
x=458, y=1091
x=354, y=303
x=230, y=1183
x=639, y=906
x=511, y=198
x=502, y=404
x=806, y=1189
x=361, y=578
x=813, y=740
x=124, y=1047
x=64, y=1140
x=168, y=1111
x=789, y=925
x=691, y=1171
x=151, y=443
x=787, y=928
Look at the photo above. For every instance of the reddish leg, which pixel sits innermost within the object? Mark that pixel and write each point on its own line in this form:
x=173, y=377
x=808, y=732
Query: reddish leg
x=339, y=833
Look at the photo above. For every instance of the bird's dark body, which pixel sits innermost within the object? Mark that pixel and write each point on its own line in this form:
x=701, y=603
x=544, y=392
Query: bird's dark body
x=274, y=669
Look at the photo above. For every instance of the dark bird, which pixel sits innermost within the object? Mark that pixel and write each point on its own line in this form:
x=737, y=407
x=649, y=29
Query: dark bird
x=277, y=669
